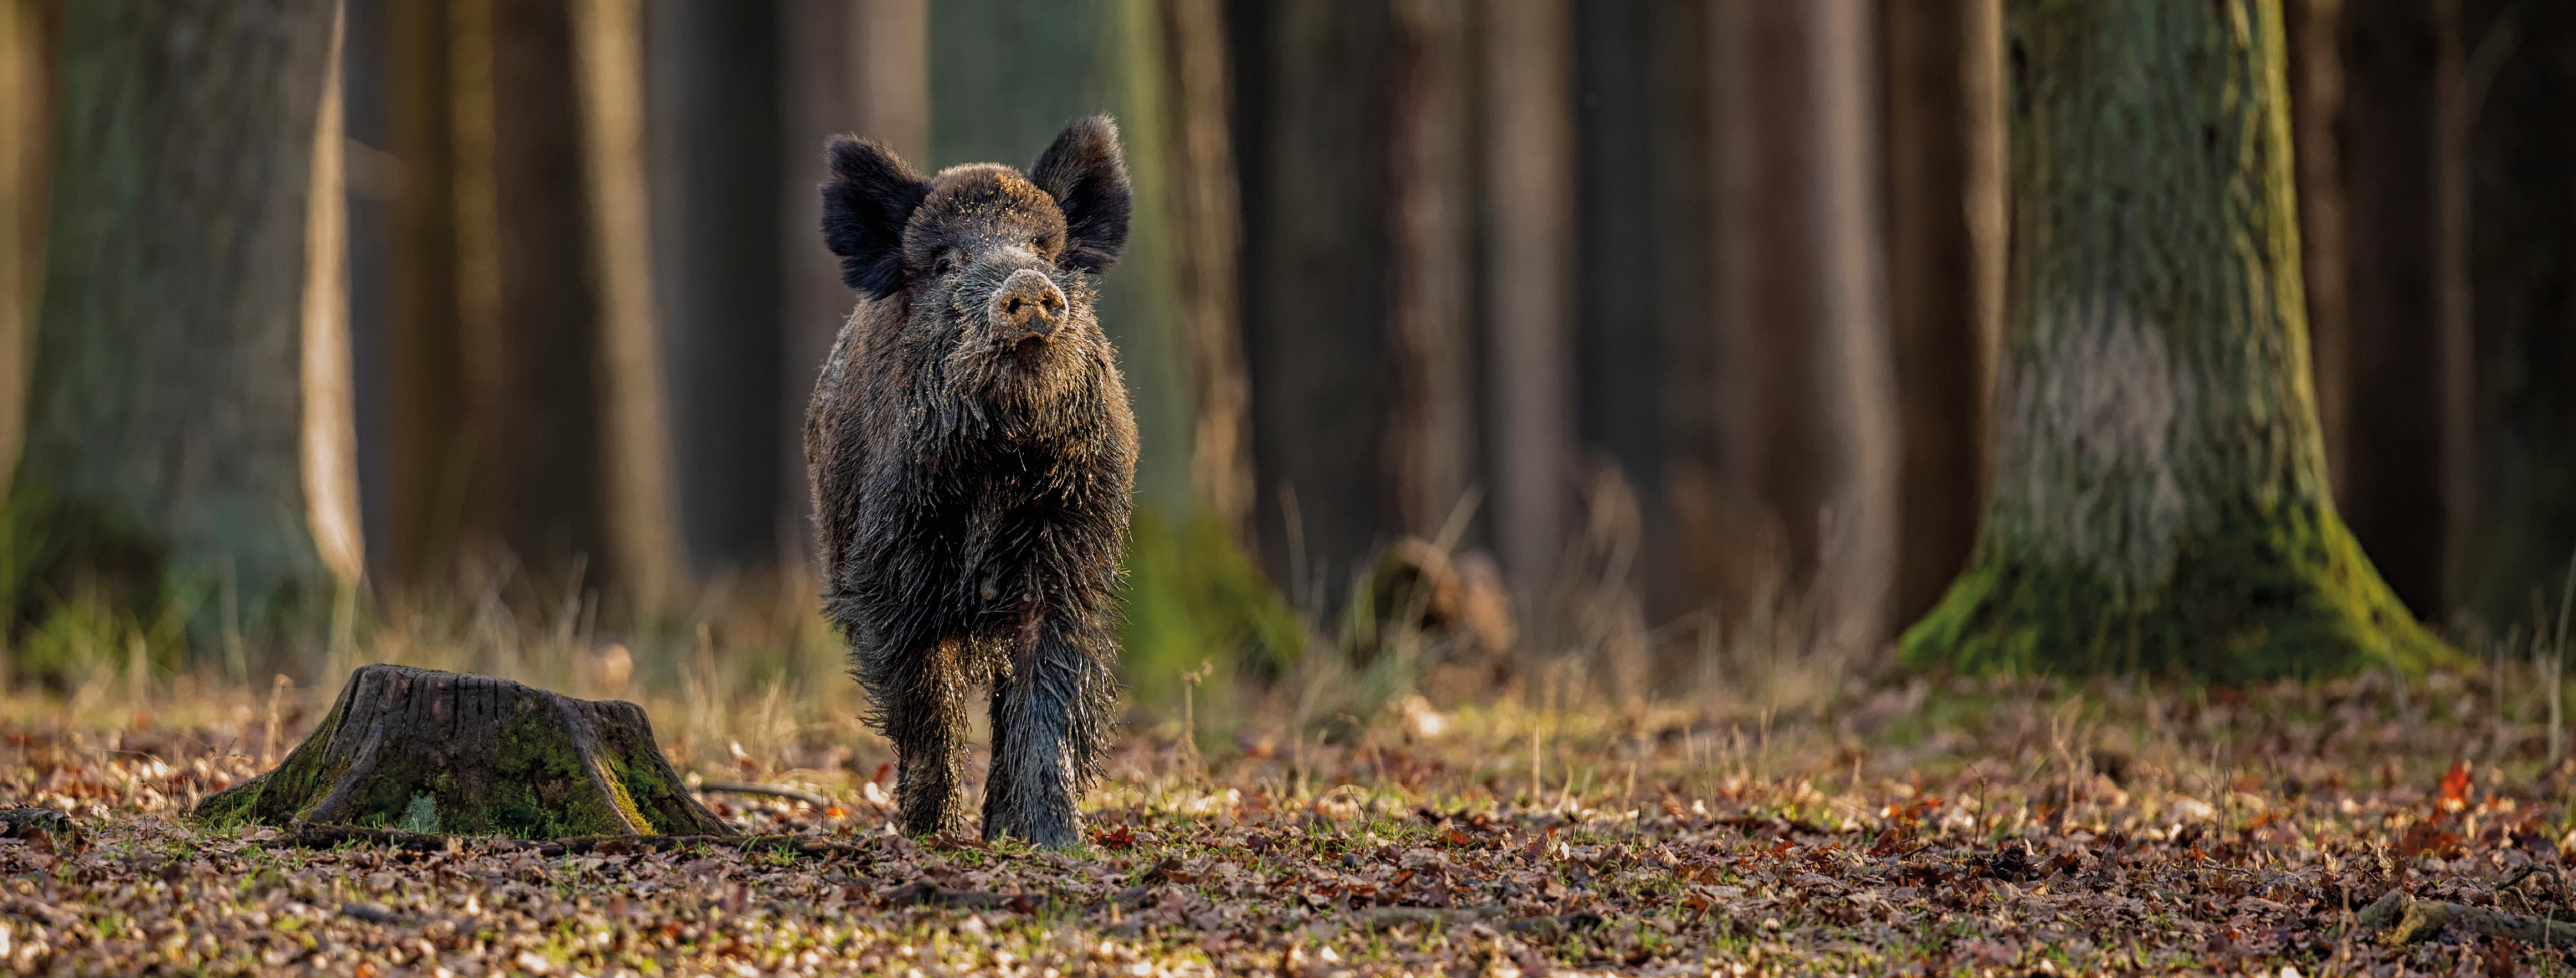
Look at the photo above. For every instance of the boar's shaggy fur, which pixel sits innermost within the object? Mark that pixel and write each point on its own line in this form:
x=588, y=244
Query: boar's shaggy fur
x=972, y=455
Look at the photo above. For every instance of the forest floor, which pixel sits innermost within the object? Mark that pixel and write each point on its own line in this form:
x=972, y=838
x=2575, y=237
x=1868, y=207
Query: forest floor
x=1906, y=826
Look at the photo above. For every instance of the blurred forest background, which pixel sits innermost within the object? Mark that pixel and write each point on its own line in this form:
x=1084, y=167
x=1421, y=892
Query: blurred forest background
x=1647, y=332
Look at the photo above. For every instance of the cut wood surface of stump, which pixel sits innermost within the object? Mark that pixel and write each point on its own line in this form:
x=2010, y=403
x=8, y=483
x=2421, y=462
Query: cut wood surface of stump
x=423, y=751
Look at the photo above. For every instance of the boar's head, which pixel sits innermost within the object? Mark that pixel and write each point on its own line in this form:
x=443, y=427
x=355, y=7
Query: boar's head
x=987, y=267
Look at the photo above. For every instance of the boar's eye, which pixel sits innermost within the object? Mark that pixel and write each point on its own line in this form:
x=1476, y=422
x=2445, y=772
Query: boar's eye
x=943, y=267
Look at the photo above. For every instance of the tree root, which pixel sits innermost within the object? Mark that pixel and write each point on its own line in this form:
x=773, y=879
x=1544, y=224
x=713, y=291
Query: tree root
x=2408, y=920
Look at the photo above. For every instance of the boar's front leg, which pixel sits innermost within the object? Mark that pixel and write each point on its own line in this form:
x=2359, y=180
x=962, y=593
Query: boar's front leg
x=1050, y=723
x=918, y=691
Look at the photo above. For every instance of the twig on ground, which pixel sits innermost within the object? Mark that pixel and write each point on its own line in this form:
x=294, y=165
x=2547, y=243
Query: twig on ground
x=794, y=845
x=306, y=835
x=773, y=790
x=372, y=913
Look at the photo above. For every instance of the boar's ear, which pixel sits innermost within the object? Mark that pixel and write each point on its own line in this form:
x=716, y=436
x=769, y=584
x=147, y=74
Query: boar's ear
x=1087, y=175
x=865, y=204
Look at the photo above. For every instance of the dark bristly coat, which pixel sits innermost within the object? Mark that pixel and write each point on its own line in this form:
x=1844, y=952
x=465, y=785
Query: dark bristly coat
x=972, y=456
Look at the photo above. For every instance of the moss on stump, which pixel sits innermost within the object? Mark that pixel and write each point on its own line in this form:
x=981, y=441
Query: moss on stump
x=424, y=751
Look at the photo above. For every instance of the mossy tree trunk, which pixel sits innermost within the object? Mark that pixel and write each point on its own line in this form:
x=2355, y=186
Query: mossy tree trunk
x=2158, y=499
x=164, y=415
x=425, y=751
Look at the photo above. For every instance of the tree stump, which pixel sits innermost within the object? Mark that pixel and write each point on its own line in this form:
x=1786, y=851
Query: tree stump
x=423, y=751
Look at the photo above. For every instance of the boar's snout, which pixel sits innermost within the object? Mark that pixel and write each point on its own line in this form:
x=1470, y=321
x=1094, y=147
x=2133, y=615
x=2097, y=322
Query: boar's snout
x=1027, y=306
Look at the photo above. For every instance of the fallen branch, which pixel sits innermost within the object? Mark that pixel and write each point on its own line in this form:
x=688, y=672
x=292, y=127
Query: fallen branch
x=372, y=913
x=772, y=790
x=2408, y=920
x=793, y=845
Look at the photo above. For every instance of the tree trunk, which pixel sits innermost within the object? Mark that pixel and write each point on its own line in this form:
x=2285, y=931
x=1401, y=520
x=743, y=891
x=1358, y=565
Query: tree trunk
x=423, y=751
x=158, y=430
x=23, y=141
x=641, y=503
x=2315, y=29
x=2159, y=499
x=1529, y=161
x=1429, y=440
x=2408, y=333
x=1945, y=153
x=1313, y=152
x=1207, y=229
x=2521, y=68
x=1809, y=419
x=424, y=395
x=494, y=342
x=860, y=68
x=715, y=106
x=329, y=426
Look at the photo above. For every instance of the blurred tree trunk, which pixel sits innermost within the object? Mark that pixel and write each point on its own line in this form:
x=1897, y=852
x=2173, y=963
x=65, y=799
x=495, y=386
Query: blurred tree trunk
x=1945, y=154
x=24, y=138
x=2407, y=335
x=716, y=101
x=1429, y=440
x=2520, y=73
x=428, y=461
x=2159, y=501
x=1529, y=159
x=859, y=68
x=374, y=178
x=495, y=345
x=1681, y=191
x=642, y=509
x=1313, y=152
x=1207, y=230
x=328, y=449
x=25, y=141
x=1697, y=564
x=158, y=435
x=2316, y=31
x=1806, y=397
